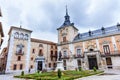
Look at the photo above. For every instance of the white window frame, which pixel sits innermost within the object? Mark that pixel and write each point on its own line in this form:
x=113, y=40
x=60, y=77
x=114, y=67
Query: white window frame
x=65, y=53
x=78, y=54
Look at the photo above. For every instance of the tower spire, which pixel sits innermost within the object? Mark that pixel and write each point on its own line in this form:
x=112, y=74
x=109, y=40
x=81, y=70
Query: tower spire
x=67, y=18
x=66, y=11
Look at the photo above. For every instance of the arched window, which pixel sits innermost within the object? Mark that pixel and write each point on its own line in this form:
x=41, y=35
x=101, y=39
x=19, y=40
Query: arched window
x=16, y=35
x=26, y=37
x=40, y=53
x=21, y=36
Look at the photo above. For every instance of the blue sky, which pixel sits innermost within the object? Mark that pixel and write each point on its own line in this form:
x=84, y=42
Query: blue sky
x=43, y=17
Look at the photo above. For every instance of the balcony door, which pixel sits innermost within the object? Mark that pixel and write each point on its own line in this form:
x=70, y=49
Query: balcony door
x=106, y=49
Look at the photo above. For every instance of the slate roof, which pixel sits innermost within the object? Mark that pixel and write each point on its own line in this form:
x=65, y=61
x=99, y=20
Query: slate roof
x=98, y=33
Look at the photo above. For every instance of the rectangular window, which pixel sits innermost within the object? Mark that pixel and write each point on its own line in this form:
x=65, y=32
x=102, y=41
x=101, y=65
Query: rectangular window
x=20, y=49
x=49, y=65
x=54, y=64
x=65, y=53
x=31, y=66
x=64, y=39
x=56, y=53
x=55, y=47
x=33, y=51
x=106, y=49
x=51, y=46
x=40, y=52
x=51, y=55
x=51, y=52
x=14, y=67
x=19, y=58
x=78, y=52
x=21, y=66
x=31, y=58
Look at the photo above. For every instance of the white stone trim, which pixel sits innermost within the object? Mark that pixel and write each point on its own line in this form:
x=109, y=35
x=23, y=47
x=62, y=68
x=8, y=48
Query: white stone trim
x=10, y=53
x=77, y=49
x=114, y=43
x=97, y=42
x=71, y=48
x=59, y=48
x=28, y=54
x=83, y=46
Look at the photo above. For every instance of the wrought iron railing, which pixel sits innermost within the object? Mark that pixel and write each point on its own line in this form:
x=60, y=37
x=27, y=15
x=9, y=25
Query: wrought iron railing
x=65, y=57
x=78, y=56
x=112, y=53
x=21, y=53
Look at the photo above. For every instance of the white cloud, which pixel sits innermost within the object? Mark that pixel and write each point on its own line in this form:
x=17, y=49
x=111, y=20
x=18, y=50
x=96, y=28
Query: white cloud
x=44, y=16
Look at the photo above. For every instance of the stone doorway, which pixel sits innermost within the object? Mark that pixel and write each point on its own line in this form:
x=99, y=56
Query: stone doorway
x=39, y=67
x=92, y=60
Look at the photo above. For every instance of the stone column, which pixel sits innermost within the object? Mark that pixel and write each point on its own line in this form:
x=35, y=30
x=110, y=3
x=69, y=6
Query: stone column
x=86, y=62
x=36, y=65
x=43, y=65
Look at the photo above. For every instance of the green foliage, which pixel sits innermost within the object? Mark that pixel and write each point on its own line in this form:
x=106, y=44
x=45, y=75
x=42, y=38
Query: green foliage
x=94, y=69
x=22, y=73
x=76, y=69
x=59, y=73
x=80, y=69
x=67, y=75
x=38, y=71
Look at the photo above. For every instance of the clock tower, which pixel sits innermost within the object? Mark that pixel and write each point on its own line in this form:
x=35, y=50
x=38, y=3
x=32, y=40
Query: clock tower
x=67, y=31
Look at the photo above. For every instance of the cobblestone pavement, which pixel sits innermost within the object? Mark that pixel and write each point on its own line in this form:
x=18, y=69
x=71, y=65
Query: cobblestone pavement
x=8, y=77
x=109, y=75
x=103, y=77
